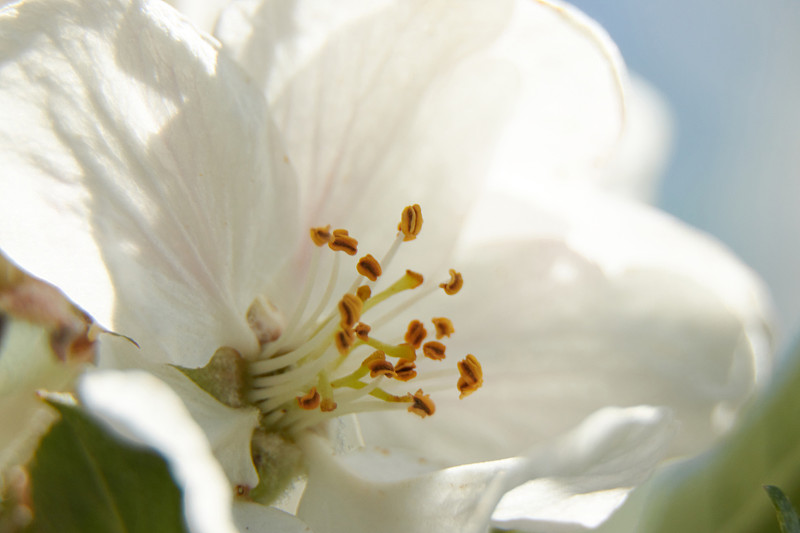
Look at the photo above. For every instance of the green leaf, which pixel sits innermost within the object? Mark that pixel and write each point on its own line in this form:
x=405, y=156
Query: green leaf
x=787, y=516
x=84, y=480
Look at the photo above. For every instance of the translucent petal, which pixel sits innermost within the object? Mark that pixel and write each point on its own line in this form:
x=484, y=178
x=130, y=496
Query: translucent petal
x=378, y=489
x=141, y=172
x=381, y=111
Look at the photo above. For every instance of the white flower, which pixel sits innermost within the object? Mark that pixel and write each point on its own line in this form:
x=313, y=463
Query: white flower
x=170, y=195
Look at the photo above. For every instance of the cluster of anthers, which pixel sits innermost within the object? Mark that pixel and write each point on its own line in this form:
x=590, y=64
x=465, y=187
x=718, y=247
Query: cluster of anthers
x=306, y=375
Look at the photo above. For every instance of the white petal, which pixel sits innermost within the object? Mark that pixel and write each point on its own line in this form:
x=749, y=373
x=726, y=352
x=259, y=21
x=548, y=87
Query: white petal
x=621, y=446
x=251, y=516
x=146, y=410
x=378, y=489
x=203, y=14
x=140, y=172
x=569, y=115
x=229, y=431
x=576, y=301
x=381, y=111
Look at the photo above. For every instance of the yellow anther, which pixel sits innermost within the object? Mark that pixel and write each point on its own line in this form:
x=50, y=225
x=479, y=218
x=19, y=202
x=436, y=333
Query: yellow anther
x=455, y=283
x=471, y=375
x=350, y=308
x=310, y=400
x=363, y=293
x=410, y=222
x=434, y=350
x=362, y=331
x=405, y=370
x=369, y=267
x=415, y=334
x=444, y=327
x=422, y=404
x=345, y=340
x=321, y=236
x=343, y=242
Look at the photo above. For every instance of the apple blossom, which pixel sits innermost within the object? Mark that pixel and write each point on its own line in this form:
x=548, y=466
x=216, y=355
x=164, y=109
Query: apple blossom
x=183, y=198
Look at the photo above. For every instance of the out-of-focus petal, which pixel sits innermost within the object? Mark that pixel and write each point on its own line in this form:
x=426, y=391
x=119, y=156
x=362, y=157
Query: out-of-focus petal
x=573, y=301
x=391, y=491
x=203, y=14
x=151, y=167
x=646, y=143
x=623, y=447
x=146, y=410
x=27, y=363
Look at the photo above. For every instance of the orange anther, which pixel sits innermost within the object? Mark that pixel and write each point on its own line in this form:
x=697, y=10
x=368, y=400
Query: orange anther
x=471, y=376
x=310, y=400
x=350, y=307
x=444, y=327
x=363, y=293
x=345, y=340
x=362, y=331
x=410, y=222
x=434, y=350
x=405, y=370
x=369, y=267
x=321, y=236
x=455, y=283
x=422, y=404
x=415, y=334
x=343, y=242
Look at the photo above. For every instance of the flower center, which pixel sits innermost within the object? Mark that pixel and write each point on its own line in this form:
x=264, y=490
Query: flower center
x=331, y=361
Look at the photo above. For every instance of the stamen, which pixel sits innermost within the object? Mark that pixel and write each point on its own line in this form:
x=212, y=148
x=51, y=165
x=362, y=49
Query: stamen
x=310, y=400
x=350, y=307
x=301, y=379
x=405, y=370
x=471, y=376
x=403, y=351
x=411, y=280
x=434, y=350
x=444, y=327
x=455, y=283
x=415, y=334
x=369, y=267
x=342, y=242
x=422, y=404
x=410, y=222
x=321, y=236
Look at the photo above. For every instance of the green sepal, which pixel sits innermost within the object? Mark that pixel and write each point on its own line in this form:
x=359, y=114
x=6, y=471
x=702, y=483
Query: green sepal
x=224, y=377
x=787, y=516
x=85, y=480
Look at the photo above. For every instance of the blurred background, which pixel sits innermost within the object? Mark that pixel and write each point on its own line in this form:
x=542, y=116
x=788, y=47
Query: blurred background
x=731, y=73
